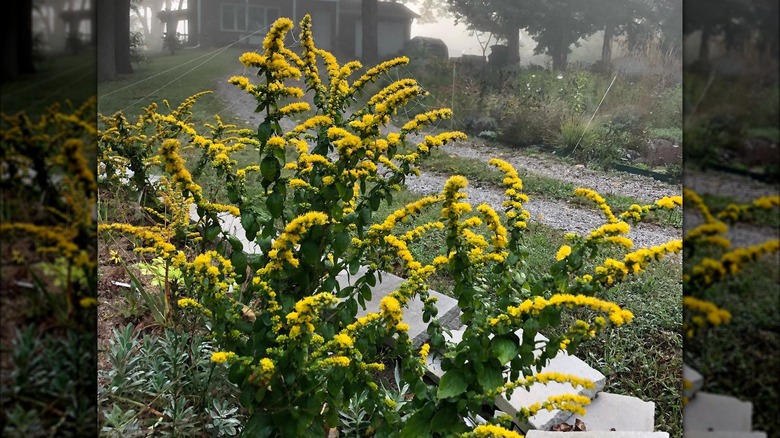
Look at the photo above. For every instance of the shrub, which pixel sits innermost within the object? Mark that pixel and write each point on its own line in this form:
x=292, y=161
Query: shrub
x=289, y=332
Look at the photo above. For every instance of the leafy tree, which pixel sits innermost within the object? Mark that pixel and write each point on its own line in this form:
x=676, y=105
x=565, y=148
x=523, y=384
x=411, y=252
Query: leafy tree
x=731, y=19
x=503, y=18
x=557, y=24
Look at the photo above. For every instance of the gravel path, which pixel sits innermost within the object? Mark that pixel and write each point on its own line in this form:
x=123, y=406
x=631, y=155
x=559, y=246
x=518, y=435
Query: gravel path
x=645, y=189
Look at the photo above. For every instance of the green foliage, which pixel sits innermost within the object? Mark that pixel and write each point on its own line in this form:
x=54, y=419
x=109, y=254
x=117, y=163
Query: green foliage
x=671, y=134
x=166, y=385
x=50, y=386
x=281, y=322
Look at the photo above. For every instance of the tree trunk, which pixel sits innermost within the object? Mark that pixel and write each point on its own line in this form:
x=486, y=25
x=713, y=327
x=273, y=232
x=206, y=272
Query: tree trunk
x=704, y=46
x=368, y=18
x=25, y=39
x=9, y=68
x=606, y=48
x=122, y=36
x=513, y=46
x=106, y=62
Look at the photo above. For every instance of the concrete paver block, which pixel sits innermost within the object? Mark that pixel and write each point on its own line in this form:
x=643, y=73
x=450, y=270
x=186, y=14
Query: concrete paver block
x=692, y=381
x=620, y=412
x=598, y=434
x=715, y=412
x=412, y=315
x=543, y=420
x=562, y=363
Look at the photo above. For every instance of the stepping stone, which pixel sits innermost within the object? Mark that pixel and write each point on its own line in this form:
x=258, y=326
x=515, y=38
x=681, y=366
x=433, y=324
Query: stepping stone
x=418, y=330
x=722, y=434
x=620, y=412
x=712, y=412
x=543, y=420
x=694, y=379
x=598, y=434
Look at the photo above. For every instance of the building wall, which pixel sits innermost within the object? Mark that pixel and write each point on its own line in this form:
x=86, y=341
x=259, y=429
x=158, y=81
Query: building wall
x=215, y=33
x=392, y=36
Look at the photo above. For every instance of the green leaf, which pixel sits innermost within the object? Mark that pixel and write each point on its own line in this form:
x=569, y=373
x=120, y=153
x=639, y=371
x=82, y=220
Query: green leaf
x=442, y=419
x=505, y=348
x=270, y=168
x=490, y=377
x=310, y=252
x=354, y=266
x=418, y=425
x=212, y=232
x=275, y=204
x=259, y=425
x=341, y=243
x=235, y=243
x=264, y=131
x=452, y=383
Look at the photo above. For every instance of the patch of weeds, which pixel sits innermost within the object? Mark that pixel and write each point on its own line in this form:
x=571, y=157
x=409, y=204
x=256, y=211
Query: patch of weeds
x=165, y=384
x=49, y=391
x=672, y=134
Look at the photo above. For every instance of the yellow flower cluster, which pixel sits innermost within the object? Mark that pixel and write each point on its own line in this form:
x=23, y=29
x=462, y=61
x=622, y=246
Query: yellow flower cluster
x=543, y=378
x=401, y=214
x=499, y=239
x=713, y=315
x=426, y=118
x=516, y=215
x=281, y=250
x=262, y=372
x=669, y=203
x=709, y=270
x=374, y=72
x=492, y=431
x=452, y=209
x=306, y=312
x=156, y=238
x=634, y=262
x=563, y=252
x=534, y=306
x=693, y=198
x=174, y=165
x=222, y=356
x=566, y=402
x=600, y=202
x=391, y=309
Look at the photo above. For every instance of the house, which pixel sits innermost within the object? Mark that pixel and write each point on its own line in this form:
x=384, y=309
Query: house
x=336, y=24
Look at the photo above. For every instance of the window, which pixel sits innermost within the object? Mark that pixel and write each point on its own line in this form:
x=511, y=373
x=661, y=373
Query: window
x=241, y=18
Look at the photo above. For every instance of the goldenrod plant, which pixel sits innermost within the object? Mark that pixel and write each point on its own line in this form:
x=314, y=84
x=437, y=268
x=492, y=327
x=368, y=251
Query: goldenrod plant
x=48, y=191
x=710, y=259
x=289, y=333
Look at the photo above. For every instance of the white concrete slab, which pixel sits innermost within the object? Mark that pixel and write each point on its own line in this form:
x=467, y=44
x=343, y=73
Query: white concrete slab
x=413, y=313
x=692, y=381
x=620, y=412
x=712, y=412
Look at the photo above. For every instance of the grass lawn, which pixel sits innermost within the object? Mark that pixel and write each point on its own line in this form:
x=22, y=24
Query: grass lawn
x=57, y=78
x=172, y=77
x=741, y=358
